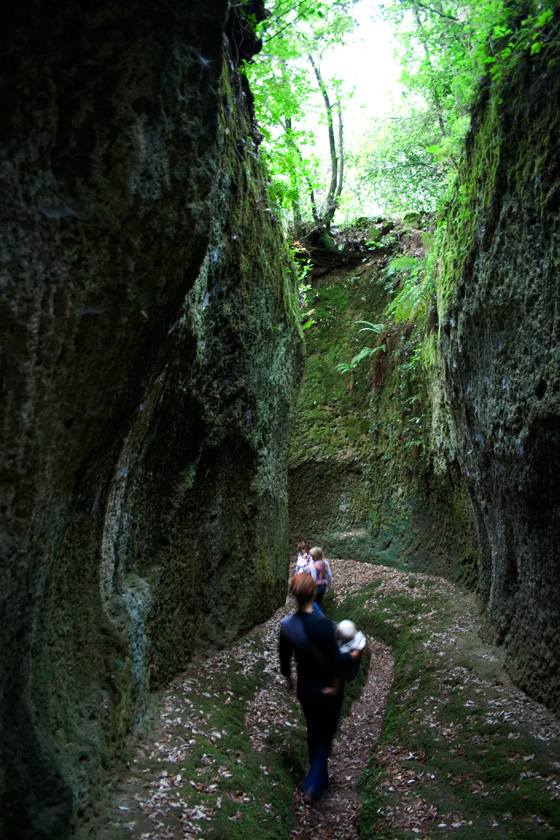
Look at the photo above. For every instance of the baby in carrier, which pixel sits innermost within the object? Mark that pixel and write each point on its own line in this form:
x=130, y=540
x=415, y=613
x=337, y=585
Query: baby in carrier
x=349, y=639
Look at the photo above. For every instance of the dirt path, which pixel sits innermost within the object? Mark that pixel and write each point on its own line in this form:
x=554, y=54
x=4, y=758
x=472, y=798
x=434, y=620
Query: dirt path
x=337, y=813
x=148, y=803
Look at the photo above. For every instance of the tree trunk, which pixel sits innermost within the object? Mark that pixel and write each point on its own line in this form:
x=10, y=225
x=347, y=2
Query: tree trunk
x=333, y=191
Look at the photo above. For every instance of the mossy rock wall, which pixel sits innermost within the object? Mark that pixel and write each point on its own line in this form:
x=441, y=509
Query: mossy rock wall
x=150, y=368
x=327, y=490
x=500, y=338
x=328, y=493
x=364, y=479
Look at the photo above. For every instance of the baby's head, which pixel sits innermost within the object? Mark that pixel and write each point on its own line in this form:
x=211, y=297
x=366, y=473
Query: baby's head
x=346, y=630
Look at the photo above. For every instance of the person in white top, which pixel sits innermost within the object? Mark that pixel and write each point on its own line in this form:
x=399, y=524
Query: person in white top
x=304, y=560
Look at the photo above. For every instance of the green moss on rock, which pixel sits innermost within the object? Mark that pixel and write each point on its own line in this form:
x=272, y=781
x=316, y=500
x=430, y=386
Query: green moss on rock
x=153, y=368
x=364, y=479
x=500, y=339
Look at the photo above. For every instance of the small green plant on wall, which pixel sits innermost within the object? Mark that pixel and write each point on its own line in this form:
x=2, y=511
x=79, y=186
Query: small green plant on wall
x=365, y=352
x=414, y=296
x=304, y=290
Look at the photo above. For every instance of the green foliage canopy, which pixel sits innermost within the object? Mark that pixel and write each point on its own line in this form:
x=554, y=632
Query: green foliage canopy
x=294, y=106
x=407, y=159
x=410, y=158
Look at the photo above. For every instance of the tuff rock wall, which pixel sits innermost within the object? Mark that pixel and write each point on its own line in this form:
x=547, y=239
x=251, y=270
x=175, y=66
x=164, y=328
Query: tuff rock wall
x=149, y=373
x=365, y=481
x=500, y=334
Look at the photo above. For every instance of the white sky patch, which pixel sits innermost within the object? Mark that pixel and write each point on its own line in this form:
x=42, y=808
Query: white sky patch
x=366, y=63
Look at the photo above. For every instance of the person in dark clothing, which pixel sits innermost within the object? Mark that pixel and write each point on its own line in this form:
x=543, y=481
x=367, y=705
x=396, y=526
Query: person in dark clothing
x=320, y=673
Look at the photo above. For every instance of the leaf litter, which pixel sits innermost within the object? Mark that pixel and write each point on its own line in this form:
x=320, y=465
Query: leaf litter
x=149, y=801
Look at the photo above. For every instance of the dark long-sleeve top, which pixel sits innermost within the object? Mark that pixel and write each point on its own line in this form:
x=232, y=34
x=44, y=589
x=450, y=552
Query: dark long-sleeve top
x=318, y=662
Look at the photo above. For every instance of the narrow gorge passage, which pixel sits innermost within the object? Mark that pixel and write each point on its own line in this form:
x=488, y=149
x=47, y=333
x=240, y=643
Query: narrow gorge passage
x=161, y=798
x=149, y=802
x=200, y=366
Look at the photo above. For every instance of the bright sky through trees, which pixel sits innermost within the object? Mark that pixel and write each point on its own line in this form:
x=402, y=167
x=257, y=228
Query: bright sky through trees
x=366, y=63
x=366, y=66
x=348, y=130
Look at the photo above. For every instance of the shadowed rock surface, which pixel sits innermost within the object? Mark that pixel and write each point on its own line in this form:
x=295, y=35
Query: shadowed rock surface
x=150, y=365
x=501, y=333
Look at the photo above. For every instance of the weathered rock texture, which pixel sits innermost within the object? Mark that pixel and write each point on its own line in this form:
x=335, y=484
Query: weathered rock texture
x=501, y=333
x=150, y=365
x=329, y=497
x=364, y=481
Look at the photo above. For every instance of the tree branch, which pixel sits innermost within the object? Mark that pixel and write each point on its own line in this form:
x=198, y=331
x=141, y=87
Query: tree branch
x=435, y=94
x=436, y=12
x=331, y=200
x=340, y=153
x=291, y=23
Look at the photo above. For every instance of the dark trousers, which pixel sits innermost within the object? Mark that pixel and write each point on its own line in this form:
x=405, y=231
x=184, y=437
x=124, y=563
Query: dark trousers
x=321, y=714
x=320, y=594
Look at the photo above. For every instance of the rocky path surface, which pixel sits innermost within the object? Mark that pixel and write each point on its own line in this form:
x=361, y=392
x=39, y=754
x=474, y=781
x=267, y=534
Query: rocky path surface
x=147, y=804
x=336, y=814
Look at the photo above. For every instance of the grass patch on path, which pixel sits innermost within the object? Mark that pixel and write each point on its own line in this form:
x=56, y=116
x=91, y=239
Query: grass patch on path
x=463, y=753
